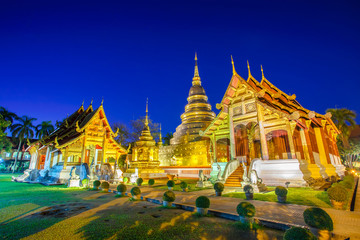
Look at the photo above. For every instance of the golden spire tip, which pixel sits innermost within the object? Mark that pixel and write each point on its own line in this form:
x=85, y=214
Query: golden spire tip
x=102, y=101
x=248, y=65
x=262, y=72
x=195, y=56
x=233, y=66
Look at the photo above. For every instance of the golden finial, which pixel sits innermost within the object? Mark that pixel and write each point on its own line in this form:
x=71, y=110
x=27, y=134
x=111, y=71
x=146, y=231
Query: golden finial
x=233, y=66
x=262, y=72
x=146, y=117
x=92, y=99
x=248, y=65
x=82, y=103
x=196, y=71
x=102, y=101
x=160, y=137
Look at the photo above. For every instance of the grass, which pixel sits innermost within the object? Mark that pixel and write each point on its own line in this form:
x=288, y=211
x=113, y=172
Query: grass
x=106, y=218
x=300, y=196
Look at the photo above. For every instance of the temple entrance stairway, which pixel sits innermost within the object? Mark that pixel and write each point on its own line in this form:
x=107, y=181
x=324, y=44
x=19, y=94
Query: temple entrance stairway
x=235, y=179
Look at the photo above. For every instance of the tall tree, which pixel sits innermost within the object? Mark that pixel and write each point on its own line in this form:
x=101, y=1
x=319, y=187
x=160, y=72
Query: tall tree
x=167, y=138
x=4, y=141
x=123, y=137
x=344, y=120
x=44, y=129
x=7, y=116
x=22, y=130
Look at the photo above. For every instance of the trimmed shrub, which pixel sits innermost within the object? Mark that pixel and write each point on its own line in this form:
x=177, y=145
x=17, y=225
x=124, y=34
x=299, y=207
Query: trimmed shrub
x=347, y=184
x=246, y=209
x=318, y=218
x=105, y=185
x=125, y=179
x=337, y=193
x=248, y=189
x=202, y=202
x=281, y=191
x=151, y=182
x=183, y=185
x=349, y=178
x=298, y=233
x=139, y=181
x=121, y=188
x=169, y=196
x=170, y=183
x=219, y=187
x=96, y=183
x=135, y=191
x=85, y=182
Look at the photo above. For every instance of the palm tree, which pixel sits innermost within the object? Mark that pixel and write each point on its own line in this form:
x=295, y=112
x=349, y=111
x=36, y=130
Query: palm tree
x=344, y=120
x=8, y=116
x=21, y=130
x=44, y=129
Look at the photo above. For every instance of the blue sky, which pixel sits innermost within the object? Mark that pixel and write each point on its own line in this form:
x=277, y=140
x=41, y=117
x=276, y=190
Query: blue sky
x=55, y=54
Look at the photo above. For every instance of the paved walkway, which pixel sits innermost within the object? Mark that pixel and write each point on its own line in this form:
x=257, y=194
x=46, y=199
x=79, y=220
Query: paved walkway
x=346, y=223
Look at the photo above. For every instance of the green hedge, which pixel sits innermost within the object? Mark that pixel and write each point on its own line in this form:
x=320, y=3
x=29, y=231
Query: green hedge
x=105, y=185
x=151, y=182
x=219, y=187
x=135, y=191
x=96, y=183
x=139, y=181
x=248, y=189
x=183, y=185
x=281, y=191
x=298, y=233
x=121, y=188
x=170, y=183
x=337, y=193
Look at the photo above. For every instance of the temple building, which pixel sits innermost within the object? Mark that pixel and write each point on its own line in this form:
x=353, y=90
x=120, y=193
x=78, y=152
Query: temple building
x=187, y=148
x=145, y=155
x=83, y=137
x=271, y=134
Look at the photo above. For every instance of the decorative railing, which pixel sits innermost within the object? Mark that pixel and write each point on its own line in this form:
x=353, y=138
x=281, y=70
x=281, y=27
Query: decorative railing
x=232, y=165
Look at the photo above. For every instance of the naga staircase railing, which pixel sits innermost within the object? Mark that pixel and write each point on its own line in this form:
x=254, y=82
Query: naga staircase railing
x=232, y=165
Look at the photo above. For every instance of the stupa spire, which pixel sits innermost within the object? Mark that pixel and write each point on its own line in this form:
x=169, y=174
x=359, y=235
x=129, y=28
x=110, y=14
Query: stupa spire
x=160, y=137
x=196, y=78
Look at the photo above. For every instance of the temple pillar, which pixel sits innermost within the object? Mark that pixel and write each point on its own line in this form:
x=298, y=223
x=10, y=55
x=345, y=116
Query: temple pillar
x=291, y=140
x=47, y=163
x=104, y=150
x=66, y=155
x=308, y=154
x=232, y=134
x=83, y=150
x=263, y=143
x=213, y=140
x=323, y=151
x=51, y=159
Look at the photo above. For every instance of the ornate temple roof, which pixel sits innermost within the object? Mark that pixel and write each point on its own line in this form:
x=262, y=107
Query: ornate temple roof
x=269, y=95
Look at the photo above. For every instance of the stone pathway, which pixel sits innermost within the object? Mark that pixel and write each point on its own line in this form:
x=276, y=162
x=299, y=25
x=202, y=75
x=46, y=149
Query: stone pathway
x=346, y=223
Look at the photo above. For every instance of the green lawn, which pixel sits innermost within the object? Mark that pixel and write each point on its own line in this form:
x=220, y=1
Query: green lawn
x=301, y=196
x=22, y=208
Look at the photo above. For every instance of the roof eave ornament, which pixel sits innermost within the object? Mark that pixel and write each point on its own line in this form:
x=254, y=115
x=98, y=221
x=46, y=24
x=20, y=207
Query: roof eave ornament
x=249, y=72
x=233, y=66
x=78, y=129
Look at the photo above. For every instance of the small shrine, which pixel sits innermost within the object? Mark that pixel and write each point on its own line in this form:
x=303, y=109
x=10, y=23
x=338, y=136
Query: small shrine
x=145, y=155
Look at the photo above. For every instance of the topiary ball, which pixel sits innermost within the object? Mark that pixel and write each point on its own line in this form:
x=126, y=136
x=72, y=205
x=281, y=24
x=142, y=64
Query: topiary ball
x=318, y=218
x=246, y=209
x=151, y=182
x=125, y=179
x=183, y=185
x=105, y=185
x=298, y=233
x=135, y=191
x=121, y=188
x=281, y=191
x=139, y=181
x=219, y=187
x=337, y=193
x=169, y=196
x=248, y=189
x=202, y=202
x=85, y=182
x=170, y=183
x=96, y=183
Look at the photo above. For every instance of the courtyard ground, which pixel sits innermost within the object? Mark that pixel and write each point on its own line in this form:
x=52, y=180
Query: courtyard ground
x=33, y=211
